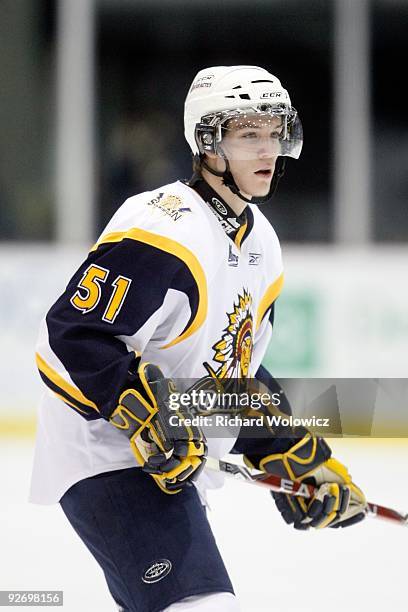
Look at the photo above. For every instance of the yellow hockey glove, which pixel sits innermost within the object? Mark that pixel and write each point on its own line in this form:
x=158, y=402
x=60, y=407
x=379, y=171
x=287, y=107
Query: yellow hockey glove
x=172, y=453
x=338, y=502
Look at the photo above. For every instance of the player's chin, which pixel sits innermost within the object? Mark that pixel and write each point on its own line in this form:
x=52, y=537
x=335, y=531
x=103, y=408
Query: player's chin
x=255, y=185
x=260, y=190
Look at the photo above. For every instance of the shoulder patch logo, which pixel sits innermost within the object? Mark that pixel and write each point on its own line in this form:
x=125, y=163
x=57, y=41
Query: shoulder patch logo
x=157, y=571
x=169, y=205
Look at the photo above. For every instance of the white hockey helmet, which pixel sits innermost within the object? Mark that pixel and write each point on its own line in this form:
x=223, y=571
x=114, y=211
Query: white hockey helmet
x=222, y=93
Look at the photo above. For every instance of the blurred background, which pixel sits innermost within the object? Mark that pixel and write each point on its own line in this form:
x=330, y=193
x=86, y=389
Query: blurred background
x=91, y=112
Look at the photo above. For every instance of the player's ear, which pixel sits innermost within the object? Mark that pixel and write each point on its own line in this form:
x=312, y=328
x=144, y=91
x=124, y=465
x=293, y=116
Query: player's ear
x=215, y=161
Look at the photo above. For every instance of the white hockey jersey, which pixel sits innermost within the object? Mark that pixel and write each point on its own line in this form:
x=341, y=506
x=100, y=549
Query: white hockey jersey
x=175, y=277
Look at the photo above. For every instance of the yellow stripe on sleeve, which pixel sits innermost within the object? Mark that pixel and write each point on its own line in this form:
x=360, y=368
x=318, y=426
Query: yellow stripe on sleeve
x=66, y=401
x=54, y=377
x=187, y=257
x=268, y=298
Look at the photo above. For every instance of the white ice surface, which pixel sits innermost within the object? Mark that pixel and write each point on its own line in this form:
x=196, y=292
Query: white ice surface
x=272, y=566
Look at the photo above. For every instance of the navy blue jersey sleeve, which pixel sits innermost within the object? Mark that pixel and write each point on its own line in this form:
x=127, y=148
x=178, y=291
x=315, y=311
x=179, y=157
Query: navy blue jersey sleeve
x=116, y=292
x=260, y=445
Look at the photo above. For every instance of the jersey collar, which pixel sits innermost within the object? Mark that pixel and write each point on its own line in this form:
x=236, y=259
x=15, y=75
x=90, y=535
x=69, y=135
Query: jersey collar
x=237, y=228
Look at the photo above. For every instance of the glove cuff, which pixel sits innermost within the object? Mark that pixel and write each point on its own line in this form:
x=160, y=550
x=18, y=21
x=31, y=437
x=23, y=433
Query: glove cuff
x=300, y=460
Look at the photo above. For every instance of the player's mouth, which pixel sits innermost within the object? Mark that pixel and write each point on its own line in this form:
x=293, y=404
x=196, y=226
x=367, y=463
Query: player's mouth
x=264, y=173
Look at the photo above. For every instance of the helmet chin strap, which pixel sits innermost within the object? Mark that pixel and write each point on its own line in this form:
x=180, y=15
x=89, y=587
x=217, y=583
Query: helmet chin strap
x=229, y=181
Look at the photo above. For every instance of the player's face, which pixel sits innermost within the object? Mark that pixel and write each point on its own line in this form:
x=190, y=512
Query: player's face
x=246, y=352
x=252, y=147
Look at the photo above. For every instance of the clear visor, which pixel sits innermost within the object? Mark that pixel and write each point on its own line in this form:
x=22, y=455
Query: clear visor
x=259, y=135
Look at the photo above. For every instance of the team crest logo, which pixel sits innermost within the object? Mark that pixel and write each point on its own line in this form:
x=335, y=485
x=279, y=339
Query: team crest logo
x=170, y=205
x=234, y=351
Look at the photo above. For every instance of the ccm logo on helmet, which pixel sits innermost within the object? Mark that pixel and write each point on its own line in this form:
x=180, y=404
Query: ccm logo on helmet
x=202, y=82
x=271, y=94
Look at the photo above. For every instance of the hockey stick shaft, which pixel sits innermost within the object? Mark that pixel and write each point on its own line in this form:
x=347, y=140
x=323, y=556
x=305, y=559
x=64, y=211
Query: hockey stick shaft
x=283, y=485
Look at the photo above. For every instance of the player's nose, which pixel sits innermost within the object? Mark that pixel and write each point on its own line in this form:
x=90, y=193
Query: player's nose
x=268, y=148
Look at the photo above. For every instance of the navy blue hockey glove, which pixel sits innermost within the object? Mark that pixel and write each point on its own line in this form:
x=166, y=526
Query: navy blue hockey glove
x=173, y=453
x=338, y=502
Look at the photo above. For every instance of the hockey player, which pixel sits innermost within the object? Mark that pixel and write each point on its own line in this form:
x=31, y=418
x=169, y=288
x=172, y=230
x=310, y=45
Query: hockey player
x=180, y=285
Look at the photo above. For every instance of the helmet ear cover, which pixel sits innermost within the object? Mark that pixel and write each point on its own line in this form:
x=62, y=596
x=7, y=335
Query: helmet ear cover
x=205, y=136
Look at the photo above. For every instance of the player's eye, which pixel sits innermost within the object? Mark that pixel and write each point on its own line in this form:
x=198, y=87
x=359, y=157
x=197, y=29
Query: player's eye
x=249, y=135
x=276, y=135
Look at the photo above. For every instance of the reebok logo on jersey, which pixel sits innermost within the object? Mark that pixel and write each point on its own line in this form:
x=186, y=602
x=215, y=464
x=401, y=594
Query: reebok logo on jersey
x=232, y=258
x=254, y=259
x=157, y=571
